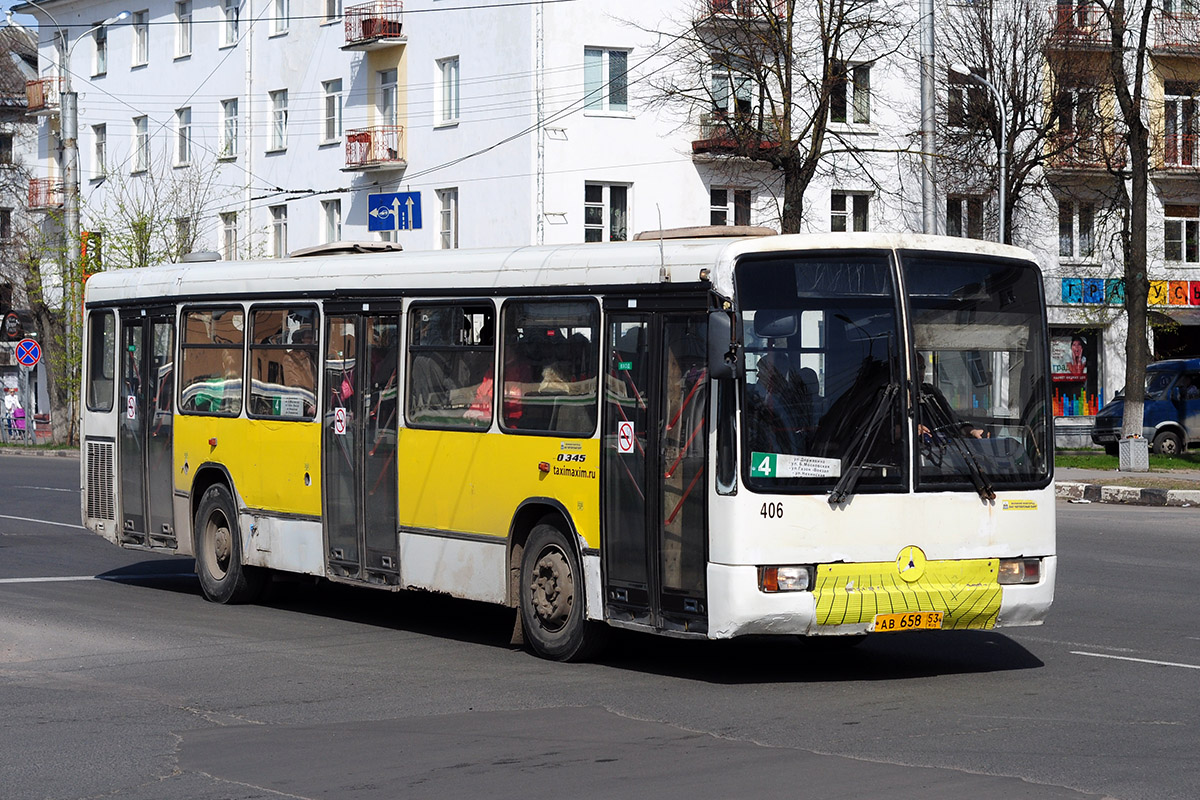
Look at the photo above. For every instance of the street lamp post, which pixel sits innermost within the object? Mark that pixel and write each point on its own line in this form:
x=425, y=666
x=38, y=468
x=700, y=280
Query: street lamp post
x=963, y=69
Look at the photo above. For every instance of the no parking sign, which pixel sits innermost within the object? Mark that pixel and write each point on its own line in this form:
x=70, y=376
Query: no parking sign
x=29, y=353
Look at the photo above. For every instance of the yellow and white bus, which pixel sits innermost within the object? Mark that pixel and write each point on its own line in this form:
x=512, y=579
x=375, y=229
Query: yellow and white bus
x=707, y=437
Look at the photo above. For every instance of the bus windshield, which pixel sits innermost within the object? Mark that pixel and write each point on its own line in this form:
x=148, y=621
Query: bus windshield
x=827, y=398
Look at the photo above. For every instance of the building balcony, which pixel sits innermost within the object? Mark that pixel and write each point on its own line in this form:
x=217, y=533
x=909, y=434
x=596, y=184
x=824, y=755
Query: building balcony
x=1179, y=152
x=1177, y=32
x=729, y=12
x=45, y=194
x=41, y=96
x=1078, y=24
x=1088, y=153
x=377, y=148
x=374, y=25
x=718, y=137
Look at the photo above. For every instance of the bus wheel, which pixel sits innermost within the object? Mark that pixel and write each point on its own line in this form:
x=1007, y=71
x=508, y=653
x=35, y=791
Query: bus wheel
x=1167, y=443
x=223, y=577
x=552, y=604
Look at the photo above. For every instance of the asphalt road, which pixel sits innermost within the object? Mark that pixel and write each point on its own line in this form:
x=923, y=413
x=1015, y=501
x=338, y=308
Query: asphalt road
x=132, y=686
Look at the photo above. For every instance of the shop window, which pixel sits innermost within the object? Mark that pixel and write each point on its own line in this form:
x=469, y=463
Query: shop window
x=212, y=354
x=551, y=356
x=451, y=357
x=283, y=363
x=1075, y=370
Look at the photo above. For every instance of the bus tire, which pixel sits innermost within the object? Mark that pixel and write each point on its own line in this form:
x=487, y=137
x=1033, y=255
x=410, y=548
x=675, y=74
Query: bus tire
x=223, y=576
x=1167, y=443
x=552, y=604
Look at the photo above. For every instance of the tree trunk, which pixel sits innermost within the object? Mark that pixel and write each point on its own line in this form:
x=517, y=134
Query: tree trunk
x=62, y=373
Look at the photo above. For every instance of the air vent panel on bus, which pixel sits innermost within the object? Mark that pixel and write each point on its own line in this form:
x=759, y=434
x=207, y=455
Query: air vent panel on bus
x=100, y=481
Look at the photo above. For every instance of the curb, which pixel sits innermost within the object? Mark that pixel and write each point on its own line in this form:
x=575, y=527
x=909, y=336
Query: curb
x=1127, y=495
x=36, y=451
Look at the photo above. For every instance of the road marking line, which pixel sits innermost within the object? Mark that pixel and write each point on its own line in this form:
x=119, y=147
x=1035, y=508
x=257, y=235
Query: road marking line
x=48, y=489
x=1138, y=660
x=43, y=522
x=69, y=578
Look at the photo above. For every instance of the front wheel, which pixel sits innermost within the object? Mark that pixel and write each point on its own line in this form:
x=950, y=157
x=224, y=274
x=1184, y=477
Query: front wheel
x=1167, y=443
x=223, y=576
x=552, y=600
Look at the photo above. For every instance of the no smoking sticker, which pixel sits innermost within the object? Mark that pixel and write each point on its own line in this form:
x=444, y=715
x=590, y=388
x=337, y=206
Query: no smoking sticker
x=339, y=421
x=625, y=437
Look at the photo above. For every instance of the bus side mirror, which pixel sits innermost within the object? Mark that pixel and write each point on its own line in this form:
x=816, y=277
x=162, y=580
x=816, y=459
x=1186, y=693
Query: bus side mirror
x=724, y=356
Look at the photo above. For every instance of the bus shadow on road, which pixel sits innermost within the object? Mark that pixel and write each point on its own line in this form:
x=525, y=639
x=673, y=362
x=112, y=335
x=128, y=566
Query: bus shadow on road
x=168, y=573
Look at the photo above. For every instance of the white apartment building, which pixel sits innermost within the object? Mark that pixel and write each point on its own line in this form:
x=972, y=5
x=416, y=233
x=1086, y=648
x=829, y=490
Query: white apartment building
x=267, y=125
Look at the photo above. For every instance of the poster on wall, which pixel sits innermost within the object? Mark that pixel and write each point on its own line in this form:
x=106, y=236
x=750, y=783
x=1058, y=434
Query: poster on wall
x=1068, y=361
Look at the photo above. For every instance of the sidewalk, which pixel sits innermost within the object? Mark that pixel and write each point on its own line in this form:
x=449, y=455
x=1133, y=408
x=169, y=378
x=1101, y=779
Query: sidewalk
x=1154, y=488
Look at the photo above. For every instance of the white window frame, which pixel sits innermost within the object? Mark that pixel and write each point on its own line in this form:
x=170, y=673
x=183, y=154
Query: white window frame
x=606, y=80
x=100, y=59
x=855, y=92
x=606, y=211
x=278, y=100
x=448, y=218
x=99, y=151
x=964, y=96
x=964, y=216
x=732, y=91
x=331, y=216
x=229, y=235
x=724, y=205
x=333, y=10
x=230, y=128
x=331, y=126
x=230, y=14
x=386, y=97
x=1181, y=229
x=854, y=213
x=183, y=232
x=183, y=28
x=279, y=231
x=448, y=98
x=140, y=157
x=140, y=22
x=1076, y=230
x=281, y=17
x=183, y=136
x=1181, y=122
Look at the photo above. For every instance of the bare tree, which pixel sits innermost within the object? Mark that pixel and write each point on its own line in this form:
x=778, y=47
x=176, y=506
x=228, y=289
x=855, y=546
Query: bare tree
x=770, y=76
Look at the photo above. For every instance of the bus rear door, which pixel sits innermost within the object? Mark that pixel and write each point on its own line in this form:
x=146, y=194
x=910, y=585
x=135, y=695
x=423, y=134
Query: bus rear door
x=655, y=486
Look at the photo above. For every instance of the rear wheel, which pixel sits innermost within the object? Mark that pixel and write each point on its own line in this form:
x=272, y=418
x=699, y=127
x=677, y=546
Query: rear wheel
x=552, y=599
x=223, y=576
x=1167, y=443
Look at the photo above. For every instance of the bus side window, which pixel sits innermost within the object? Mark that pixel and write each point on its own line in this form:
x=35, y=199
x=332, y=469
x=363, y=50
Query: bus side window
x=102, y=349
x=212, y=354
x=283, y=362
x=451, y=350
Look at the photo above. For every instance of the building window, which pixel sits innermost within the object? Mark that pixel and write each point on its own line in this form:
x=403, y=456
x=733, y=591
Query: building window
x=1182, y=233
x=731, y=92
x=448, y=90
x=279, y=119
x=229, y=28
x=727, y=204
x=183, y=28
x=183, y=235
x=279, y=231
x=333, y=9
x=605, y=212
x=281, y=13
x=1077, y=109
x=606, y=80
x=100, y=62
x=141, y=37
x=850, y=100
x=229, y=129
x=448, y=222
x=5, y=224
x=849, y=212
x=331, y=211
x=966, y=99
x=385, y=99
x=1180, y=124
x=183, y=136
x=964, y=217
x=1076, y=221
x=332, y=128
x=229, y=235
x=6, y=148
x=141, y=144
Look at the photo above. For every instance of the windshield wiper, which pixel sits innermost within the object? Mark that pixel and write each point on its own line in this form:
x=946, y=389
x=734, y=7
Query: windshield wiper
x=953, y=431
x=861, y=445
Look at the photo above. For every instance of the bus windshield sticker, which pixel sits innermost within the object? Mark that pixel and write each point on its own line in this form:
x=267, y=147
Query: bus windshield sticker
x=1019, y=505
x=779, y=465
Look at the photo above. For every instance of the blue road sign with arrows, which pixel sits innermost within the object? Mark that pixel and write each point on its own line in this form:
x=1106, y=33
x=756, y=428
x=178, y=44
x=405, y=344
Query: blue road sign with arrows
x=394, y=211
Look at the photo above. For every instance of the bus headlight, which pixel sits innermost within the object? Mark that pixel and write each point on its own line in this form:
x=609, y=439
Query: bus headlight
x=785, y=579
x=1020, y=570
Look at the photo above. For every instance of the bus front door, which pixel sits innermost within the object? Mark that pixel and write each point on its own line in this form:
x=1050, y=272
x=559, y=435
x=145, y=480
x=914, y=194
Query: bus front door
x=144, y=436
x=359, y=445
x=655, y=538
